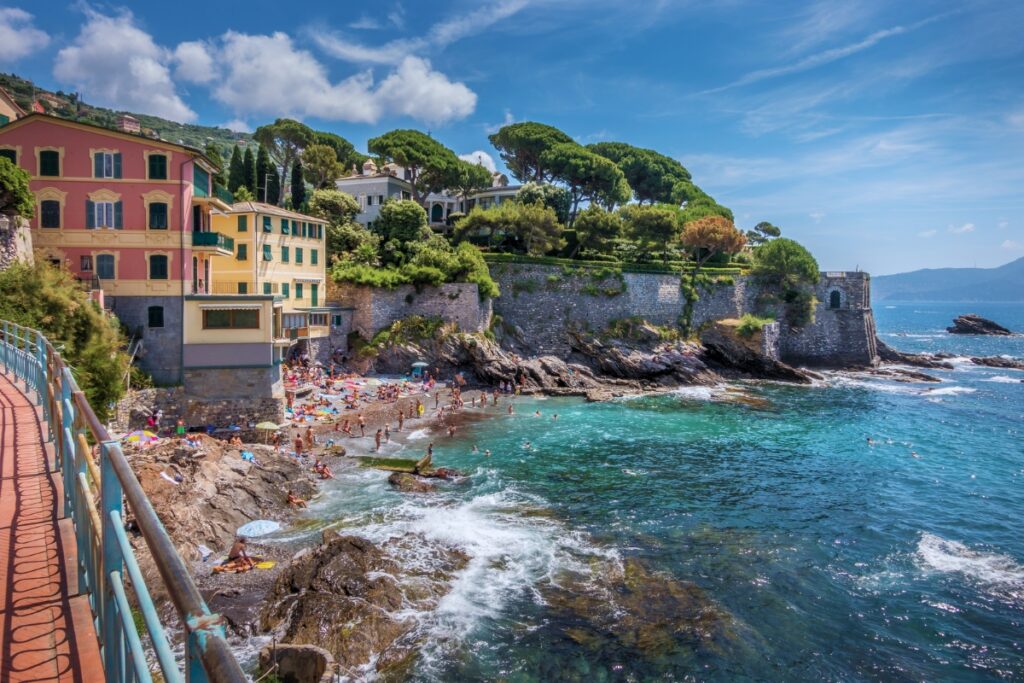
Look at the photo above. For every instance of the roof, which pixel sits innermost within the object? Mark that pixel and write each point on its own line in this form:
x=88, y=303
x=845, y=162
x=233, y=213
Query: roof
x=32, y=118
x=260, y=207
x=6, y=96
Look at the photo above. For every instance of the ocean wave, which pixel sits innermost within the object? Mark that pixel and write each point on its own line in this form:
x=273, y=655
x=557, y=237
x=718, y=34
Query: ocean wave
x=998, y=574
x=949, y=391
x=1002, y=379
x=418, y=434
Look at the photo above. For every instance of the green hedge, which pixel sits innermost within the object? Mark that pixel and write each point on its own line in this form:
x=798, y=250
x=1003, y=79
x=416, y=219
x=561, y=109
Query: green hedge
x=673, y=267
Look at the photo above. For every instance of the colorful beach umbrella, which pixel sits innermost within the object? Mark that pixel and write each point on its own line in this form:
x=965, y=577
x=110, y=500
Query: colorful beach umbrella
x=141, y=436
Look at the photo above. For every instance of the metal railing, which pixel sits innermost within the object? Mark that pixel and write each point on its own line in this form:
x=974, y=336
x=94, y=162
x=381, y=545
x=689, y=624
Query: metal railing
x=213, y=239
x=251, y=288
x=94, y=497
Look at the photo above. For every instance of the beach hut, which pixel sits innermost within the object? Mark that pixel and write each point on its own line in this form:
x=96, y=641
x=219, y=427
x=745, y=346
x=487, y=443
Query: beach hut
x=418, y=368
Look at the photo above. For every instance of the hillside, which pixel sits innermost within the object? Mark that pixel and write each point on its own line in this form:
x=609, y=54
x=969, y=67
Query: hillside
x=1005, y=283
x=69, y=106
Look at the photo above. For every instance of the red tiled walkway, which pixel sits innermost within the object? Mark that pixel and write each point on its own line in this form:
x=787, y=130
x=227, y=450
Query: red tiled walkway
x=46, y=630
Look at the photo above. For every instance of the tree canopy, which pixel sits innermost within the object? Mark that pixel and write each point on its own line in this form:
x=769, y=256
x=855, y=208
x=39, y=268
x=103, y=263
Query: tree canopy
x=651, y=175
x=763, y=232
x=596, y=228
x=555, y=198
x=321, y=166
x=431, y=165
x=16, y=199
x=710, y=236
x=249, y=171
x=344, y=151
x=403, y=220
x=530, y=228
x=298, y=185
x=469, y=178
x=267, y=181
x=522, y=146
x=786, y=263
x=587, y=175
x=284, y=140
x=236, y=170
x=652, y=228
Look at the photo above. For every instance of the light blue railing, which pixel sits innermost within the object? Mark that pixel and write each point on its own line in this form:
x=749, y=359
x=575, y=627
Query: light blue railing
x=94, y=498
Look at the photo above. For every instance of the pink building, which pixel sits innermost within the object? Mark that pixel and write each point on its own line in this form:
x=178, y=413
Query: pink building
x=130, y=216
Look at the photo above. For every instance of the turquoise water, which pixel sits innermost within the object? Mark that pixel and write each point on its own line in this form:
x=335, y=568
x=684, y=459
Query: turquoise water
x=823, y=556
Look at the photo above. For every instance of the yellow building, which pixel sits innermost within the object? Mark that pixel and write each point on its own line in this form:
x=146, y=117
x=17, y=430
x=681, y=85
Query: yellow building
x=278, y=252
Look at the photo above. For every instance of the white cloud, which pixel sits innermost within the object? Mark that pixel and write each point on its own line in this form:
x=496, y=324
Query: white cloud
x=237, y=125
x=439, y=35
x=480, y=157
x=365, y=23
x=194, y=63
x=269, y=75
x=963, y=229
x=116, y=64
x=927, y=233
x=507, y=121
x=1010, y=245
x=816, y=216
x=18, y=37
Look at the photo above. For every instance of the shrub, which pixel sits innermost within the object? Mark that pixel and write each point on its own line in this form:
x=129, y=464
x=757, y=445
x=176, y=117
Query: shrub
x=751, y=325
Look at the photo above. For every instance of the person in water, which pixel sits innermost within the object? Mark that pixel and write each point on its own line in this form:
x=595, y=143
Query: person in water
x=295, y=501
x=238, y=555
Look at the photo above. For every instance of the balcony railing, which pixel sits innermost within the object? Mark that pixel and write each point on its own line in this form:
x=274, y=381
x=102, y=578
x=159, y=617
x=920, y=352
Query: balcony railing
x=213, y=239
x=222, y=194
x=250, y=288
x=297, y=332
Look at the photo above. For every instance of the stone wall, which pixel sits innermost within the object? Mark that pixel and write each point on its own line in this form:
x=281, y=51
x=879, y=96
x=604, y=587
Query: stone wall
x=538, y=303
x=374, y=308
x=15, y=241
x=217, y=384
x=161, y=346
x=843, y=333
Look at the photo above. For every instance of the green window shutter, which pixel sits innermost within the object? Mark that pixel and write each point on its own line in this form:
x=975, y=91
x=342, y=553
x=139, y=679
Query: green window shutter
x=266, y=288
x=284, y=226
x=49, y=163
x=117, y=165
x=284, y=289
x=158, y=216
x=298, y=290
x=243, y=287
x=90, y=214
x=243, y=252
x=266, y=224
x=298, y=254
x=313, y=257
x=157, y=267
x=118, y=215
x=267, y=256
x=243, y=223
x=97, y=165
x=157, y=167
x=284, y=254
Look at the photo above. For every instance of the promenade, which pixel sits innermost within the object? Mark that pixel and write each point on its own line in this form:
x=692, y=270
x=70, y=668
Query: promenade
x=46, y=627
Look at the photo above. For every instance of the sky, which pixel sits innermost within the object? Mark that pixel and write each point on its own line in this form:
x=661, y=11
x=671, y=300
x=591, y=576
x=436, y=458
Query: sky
x=884, y=136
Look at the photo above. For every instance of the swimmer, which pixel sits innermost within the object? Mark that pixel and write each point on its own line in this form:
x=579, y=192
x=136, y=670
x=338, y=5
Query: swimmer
x=511, y=410
x=487, y=453
x=871, y=441
x=536, y=413
x=475, y=449
x=555, y=416
x=914, y=454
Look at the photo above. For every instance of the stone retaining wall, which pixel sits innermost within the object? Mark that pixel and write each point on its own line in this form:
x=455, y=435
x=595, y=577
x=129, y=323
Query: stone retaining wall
x=132, y=411
x=15, y=241
x=376, y=308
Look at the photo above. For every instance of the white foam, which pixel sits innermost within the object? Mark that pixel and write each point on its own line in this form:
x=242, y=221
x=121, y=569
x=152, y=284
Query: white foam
x=1002, y=379
x=994, y=572
x=418, y=434
x=950, y=391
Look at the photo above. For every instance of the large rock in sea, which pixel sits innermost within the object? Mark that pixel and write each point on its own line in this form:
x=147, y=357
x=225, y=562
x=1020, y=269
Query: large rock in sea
x=725, y=352
x=975, y=324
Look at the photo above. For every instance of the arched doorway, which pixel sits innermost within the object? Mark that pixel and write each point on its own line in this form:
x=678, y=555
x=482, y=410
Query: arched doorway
x=835, y=299
x=437, y=214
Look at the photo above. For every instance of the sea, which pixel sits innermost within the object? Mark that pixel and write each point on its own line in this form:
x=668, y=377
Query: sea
x=860, y=529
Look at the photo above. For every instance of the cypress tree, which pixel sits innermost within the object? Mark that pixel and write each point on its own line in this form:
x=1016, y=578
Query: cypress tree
x=236, y=171
x=249, y=171
x=268, y=186
x=298, y=186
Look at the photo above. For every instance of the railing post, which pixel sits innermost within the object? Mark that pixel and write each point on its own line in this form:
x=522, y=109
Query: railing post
x=67, y=437
x=110, y=501
x=5, y=348
x=41, y=373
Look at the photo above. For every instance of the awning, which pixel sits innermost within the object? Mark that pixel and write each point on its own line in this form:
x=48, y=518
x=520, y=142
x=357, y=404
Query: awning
x=314, y=280
x=230, y=307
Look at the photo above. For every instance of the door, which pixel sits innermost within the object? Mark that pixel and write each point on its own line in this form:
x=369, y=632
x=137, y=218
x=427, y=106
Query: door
x=195, y=275
x=312, y=293
x=206, y=273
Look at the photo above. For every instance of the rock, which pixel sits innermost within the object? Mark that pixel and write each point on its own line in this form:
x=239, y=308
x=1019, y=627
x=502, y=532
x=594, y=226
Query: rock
x=999, y=362
x=599, y=395
x=298, y=663
x=408, y=483
x=975, y=324
x=724, y=351
x=922, y=360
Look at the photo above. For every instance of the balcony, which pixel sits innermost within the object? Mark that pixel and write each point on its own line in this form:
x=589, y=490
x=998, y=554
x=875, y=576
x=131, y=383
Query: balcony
x=295, y=333
x=214, y=243
x=228, y=287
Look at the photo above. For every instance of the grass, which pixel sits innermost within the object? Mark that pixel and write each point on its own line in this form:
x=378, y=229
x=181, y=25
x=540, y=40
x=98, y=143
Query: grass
x=750, y=325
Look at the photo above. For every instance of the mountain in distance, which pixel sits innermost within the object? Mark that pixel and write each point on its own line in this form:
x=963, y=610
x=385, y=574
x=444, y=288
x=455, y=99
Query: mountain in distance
x=31, y=97
x=1002, y=284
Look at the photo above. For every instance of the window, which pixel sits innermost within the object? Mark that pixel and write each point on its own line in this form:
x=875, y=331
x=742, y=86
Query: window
x=284, y=255
x=298, y=254
x=267, y=256
x=298, y=290
x=835, y=299
x=157, y=167
x=105, y=266
x=156, y=316
x=243, y=252
x=103, y=215
x=285, y=289
x=313, y=256
x=336, y=320
x=243, y=223
x=157, y=216
x=9, y=154
x=266, y=288
x=232, y=319
x=201, y=181
x=49, y=214
x=369, y=200
x=106, y=165
x=157, y=267
x=266, y=224
x=243, y=287
x=318, y=319
x=85, y=264
x=49, y=163
x=380, y=199
x=284, y=226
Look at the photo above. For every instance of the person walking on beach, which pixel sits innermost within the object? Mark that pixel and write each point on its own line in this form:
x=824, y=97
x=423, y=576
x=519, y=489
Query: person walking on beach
x=298, y=444
x=420, y=408
x=376, y=439
x=437, y=398
x=309, y=438
x=362, y=424
x=401, y=419
x=511, y=409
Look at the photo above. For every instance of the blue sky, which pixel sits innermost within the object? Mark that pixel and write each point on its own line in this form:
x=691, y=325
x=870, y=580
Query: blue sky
x=886, y=136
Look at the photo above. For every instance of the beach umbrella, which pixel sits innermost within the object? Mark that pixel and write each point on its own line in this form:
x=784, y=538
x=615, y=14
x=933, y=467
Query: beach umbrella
x=141, y=436
x=420, y=364
x=259, y=527
x=267, y=427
